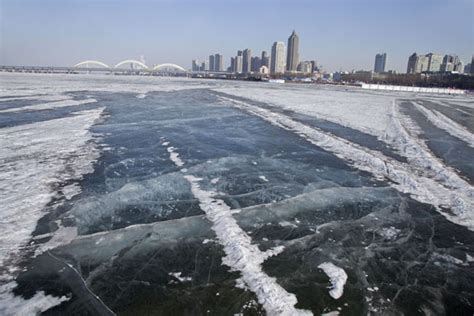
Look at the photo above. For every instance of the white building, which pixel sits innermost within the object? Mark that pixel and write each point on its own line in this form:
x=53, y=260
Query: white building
x=278, y=58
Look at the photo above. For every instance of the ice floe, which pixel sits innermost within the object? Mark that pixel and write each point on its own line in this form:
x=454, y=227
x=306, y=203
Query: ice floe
x=337, y=276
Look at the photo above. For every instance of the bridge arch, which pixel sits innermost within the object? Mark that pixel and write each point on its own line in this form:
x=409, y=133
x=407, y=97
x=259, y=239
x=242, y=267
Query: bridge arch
x=132, y=61
x=91, y=62
x=167, y=65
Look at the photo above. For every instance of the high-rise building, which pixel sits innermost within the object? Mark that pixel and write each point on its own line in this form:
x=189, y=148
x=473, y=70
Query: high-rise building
x=255, y=64
x=314, y=66
x=278, y=58
x=203, y=66
x=218, y=62
x=265, y=59
x=292, y=58
x=472, y=67
x=380, y=60
x=246, y=60
x=434, y=62
x=422, y=64
x=195, y=65
x=467, y=68
x=232, y=64
x=240, y=53
x=305, y=67
x=211, y=63
x=411, y=67
x=238, y=64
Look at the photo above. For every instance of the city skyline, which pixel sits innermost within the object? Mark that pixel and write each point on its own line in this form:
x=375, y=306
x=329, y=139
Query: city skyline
x=348, y=40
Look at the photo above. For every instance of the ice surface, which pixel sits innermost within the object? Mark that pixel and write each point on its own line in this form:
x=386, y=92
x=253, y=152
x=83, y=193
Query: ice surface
x=35, y=158
x=447, y=124
x=277, y=202
x=50, y=105
x=15, y=85
x=11, y=305
x=337, y=276
x=348, y=108
x=241, y=254
x=423, y=187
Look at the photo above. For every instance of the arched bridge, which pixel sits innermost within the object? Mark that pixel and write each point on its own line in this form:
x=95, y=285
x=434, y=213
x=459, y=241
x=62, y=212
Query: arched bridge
x=141, y=65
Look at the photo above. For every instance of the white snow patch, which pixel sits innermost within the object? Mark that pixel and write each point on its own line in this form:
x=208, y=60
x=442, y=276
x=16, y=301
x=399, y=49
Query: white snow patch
x=337, y=276
x=50, y=105
x=174, y=156
x=241, y=254
x=452, y=192
x=37, y=98
x=178, y=276
x=17, y=305
x=215, y=180
x=447, y=124
x=263, y=178
x=389, y=232
x=35, y=158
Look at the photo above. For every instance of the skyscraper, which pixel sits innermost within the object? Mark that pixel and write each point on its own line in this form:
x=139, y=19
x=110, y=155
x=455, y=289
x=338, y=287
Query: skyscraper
x=314, y=66
x=238, y=64
x=195, y=65
x=218, y=62
x=246, y=60
x=265, y=59
x=380, y=60
x=211, y=63
x=278, y=58
x=411, y=67
x=255, y=64
x=232, y=64
x=292, y=58
x=472, y=63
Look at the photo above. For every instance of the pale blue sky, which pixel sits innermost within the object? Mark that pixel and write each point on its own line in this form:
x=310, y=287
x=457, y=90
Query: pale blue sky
x=338, y=34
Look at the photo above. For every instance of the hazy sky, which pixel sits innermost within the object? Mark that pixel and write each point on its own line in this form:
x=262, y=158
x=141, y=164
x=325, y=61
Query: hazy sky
x=338, y=34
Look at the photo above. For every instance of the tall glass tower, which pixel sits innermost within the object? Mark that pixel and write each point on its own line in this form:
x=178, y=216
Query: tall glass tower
x=293, y=57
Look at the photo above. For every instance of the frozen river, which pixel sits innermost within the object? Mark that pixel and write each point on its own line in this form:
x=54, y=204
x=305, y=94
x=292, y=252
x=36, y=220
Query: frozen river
x=168, y=196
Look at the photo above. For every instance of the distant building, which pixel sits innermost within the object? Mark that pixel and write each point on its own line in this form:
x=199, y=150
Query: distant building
x=218, y=62
x=434, y=62
x=467, y=68
x=232, y=64
x=240, y=53
x=278, y=58
x=314, y=66
x=265, y=59
x=471, y=68
x=255, y=64
x=211, y=63
x=292, y=57
x=380, y=60
x=422, y=64
x=305, y=67
x=203, y=66
x=412, y=60
x=264, y=70
x=246, y=60
x=451, y=63
x=195, y=65
x=238, y=64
